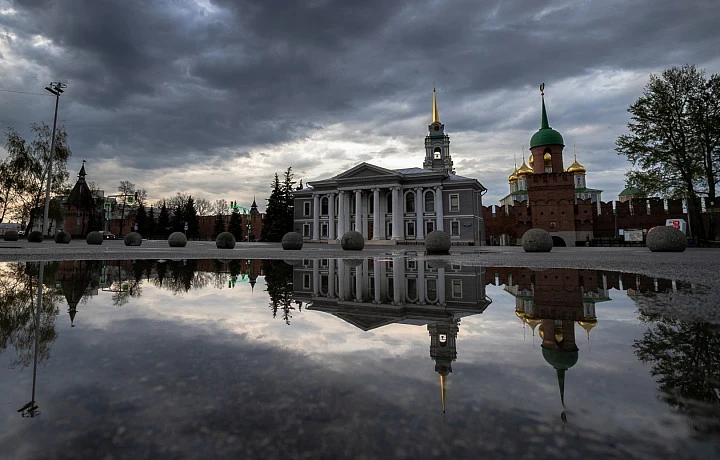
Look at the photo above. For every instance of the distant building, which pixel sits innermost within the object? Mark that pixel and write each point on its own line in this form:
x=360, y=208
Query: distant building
x=395, y=206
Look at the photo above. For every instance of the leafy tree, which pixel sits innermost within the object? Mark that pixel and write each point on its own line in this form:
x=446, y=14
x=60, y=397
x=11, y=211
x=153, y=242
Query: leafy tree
x=190, y=216
x=163, y=220
x=675, y=139
x=235, y=224
x=685, y=359
x=219, y=225
x=25, y=169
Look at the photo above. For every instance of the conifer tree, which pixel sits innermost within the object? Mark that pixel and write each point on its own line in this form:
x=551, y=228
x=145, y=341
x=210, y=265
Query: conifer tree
x=163, y=220
x=273, y=224
x=177, y=222
x=190, y=216
x=235, y=225
x=141, y=219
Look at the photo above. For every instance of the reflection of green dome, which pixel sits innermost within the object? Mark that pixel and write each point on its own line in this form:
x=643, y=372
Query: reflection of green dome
x=546, y=135
x=560, y=360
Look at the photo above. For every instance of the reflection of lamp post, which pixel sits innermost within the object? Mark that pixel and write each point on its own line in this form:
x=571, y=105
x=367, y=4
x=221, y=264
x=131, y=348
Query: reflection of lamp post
x=31, y=409
x=56, y=88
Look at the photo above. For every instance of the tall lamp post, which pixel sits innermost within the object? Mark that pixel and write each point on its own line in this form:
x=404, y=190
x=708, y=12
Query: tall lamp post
x=56, y=88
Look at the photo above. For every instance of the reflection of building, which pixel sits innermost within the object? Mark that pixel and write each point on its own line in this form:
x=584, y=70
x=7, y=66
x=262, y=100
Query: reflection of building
x=76, y=278
x=553, y=301
x=391, y=206
x=372, y=293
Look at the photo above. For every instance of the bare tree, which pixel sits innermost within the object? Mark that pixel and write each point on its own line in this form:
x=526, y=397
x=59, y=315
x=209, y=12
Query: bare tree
x=221, y=207
x=203, y=207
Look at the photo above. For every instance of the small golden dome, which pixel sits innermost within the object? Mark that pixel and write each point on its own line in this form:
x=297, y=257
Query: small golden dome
x=524, y=170
x=588, y=324
x=548, y=159
x=576, y=168
x=513, y=176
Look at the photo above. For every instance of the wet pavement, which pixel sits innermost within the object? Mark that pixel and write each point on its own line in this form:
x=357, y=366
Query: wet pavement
x=390, y=355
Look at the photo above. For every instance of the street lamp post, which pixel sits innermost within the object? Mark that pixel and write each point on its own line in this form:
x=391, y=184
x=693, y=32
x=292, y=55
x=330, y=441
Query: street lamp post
x=55, y=88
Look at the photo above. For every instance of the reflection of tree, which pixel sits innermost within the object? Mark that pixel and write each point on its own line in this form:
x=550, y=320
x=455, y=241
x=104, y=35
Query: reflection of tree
x=686, y=359
x=18, y=291
x=278, y=278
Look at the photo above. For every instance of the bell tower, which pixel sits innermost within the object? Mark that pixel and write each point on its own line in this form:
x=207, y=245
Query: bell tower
x=437, y=144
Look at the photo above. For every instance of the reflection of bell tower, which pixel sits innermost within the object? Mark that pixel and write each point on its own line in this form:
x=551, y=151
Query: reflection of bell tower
x=437, y=144
x=443, y=349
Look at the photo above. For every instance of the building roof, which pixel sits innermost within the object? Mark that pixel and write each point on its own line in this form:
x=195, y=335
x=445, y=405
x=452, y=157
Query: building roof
x=629, y=191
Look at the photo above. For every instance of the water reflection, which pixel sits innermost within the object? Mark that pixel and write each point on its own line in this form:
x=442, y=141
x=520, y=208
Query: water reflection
x=560, y=307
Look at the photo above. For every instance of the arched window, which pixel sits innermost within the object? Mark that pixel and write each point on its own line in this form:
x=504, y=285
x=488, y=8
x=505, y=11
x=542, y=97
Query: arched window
x=437, y=153
x=429, y=201
x=410, y=202
x=324, y=206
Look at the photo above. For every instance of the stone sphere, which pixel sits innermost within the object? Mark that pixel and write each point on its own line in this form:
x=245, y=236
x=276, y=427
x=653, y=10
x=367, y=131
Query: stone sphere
x=666, y=239
x=437, y=242
x=94, y=238
x=225, y=240
x=177, y=240
x=133, y=239
x=35, y=236
x=352, y=241
x=537, y=240
x=11, y=235
x=62, y=237
x=292, y=241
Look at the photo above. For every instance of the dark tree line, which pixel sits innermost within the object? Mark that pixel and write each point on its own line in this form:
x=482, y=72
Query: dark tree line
x=280, y=209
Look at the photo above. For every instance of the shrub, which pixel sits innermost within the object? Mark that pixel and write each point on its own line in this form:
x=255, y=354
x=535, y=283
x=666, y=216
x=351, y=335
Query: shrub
x=133, y=239
x=225, y=240
x=35, y=237
x=11, y=235
x=352, y=241
x=94, y=238
x=62, y=237
x=177, y=240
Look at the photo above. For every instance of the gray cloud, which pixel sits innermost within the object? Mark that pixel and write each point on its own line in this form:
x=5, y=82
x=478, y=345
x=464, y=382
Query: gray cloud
x=155, y=87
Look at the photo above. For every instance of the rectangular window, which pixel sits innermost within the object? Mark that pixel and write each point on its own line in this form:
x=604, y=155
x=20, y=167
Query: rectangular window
x=454, y=202
x=306, y=230
x=324, y=263
x=306, y=281
x=455, y=228
x=409, y=228
x=324, y=230
x=457, y=289
x=431, y=289
x=429, y=227
x=411, y=265
x=306, y=208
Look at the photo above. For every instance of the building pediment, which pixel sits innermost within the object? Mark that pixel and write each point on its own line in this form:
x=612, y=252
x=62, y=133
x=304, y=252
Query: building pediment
x=366, y=170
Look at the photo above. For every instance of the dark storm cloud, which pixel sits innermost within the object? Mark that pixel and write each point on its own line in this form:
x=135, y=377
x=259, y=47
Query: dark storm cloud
x=160, y=83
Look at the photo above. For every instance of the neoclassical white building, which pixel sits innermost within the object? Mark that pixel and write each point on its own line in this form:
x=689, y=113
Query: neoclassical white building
x=395, y=206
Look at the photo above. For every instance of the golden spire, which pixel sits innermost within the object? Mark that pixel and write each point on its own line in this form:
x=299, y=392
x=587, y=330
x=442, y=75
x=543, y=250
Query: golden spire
x=435, y=113
x=442, y=392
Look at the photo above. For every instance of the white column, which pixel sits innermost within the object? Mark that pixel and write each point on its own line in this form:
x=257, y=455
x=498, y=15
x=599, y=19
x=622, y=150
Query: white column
x=331, y=216
x=316, y=277
x=341, y=214
x=421, y=282
x=359, y=283
x=341, y=279
x=331, y=278
x=397, y=278
x=316, y=217
x=358, y=211
x=441, y=286
x=377, y=219
x=396, y=214
x=419, y=231
x=438, y=209
x=377, y=278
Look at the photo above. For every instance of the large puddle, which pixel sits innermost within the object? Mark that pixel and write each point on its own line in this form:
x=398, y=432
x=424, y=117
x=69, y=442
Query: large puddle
x=363, y=358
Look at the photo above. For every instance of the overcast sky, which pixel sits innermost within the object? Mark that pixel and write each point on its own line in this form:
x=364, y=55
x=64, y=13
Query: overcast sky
x=212, y=97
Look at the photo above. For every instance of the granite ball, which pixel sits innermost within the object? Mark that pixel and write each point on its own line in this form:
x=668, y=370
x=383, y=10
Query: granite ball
x=537, y=240
x=666, y=239
x=437, y=242
x=292, y=241
x=11, y=235
x=352, y=241
x=225, y=240
x=62, y=237
x=133, y=239
x=177, y=240
x=35, y=236
x=94, y=238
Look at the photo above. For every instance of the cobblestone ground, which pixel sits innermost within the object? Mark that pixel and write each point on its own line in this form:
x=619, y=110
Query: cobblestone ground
x=694, y=265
